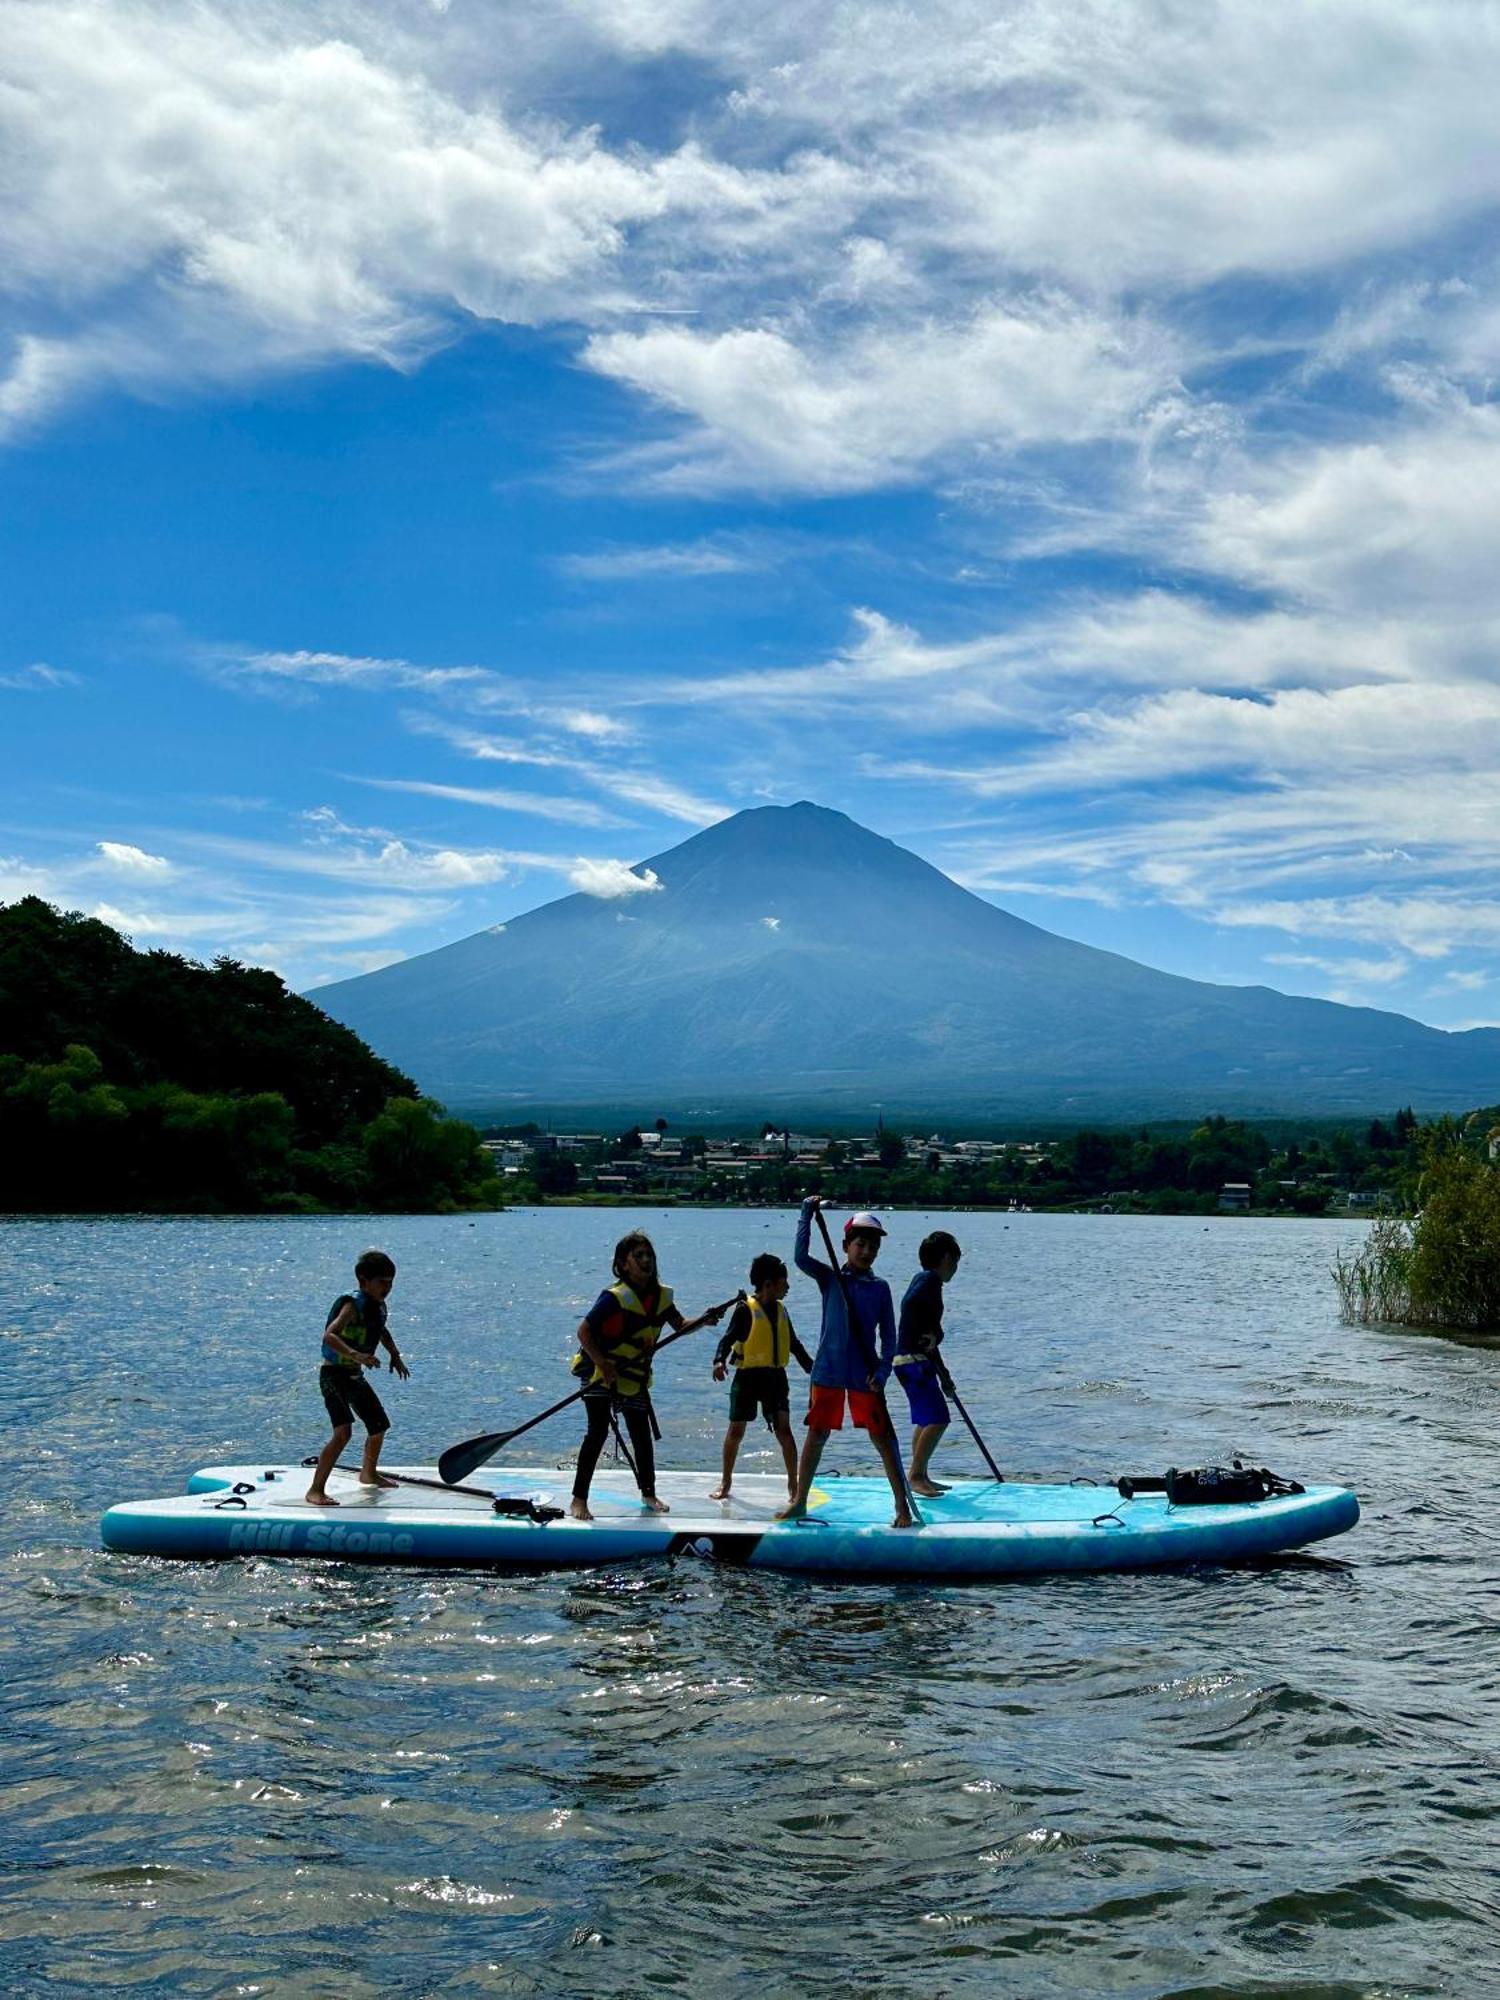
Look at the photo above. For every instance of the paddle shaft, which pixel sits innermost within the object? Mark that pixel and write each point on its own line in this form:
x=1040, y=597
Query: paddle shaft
x=459, y=1460
x=868, y=1355
x=984, y=1450
x=411, y=1479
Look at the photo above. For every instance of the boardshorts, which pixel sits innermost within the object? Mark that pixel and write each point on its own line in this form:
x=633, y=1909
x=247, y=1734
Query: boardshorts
x=763, y=1389
x=825, y=1409
x=924, y=1392
x=347, y=1394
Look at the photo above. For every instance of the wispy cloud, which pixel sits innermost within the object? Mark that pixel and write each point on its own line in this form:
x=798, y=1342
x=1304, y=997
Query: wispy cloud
x=23, y=680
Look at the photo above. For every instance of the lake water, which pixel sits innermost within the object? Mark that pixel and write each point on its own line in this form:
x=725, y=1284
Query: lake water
x=294, y=1778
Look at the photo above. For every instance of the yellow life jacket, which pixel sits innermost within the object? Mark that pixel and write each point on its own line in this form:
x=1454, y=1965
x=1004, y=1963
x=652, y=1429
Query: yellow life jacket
x=630, y=1349
x=768, y=1344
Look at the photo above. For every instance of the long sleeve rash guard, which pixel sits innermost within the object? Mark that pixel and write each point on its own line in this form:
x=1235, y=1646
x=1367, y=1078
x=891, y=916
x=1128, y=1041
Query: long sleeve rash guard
x=843, y=1362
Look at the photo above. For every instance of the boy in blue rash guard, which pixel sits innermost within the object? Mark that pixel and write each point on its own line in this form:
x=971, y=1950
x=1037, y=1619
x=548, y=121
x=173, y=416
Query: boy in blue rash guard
x=355, y=1332
x=918, y=1364
x=849, y=1366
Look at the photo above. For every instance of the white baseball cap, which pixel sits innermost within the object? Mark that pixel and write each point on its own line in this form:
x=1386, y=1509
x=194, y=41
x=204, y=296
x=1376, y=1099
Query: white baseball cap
x=864, y=1220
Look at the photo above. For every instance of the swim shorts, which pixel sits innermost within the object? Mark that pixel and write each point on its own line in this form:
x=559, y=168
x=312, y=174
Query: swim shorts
x=825, y=1409
x=924, y=1392
x=347, y=1394
x=763, y=1389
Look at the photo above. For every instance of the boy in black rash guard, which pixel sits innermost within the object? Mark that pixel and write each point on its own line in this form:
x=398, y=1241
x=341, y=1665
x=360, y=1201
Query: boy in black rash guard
x=762, y=1340
x=615, y=1339
x=918, y=1365
x=355, y=1332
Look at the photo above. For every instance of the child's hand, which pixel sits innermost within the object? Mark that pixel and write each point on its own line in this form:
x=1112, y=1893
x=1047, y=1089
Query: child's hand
x=369, y=1360
x=720, y=1371
x=399, y=1367
x=608, y=1372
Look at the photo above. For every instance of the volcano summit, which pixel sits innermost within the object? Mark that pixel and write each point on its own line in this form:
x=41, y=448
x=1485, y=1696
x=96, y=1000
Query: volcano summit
x=789, y=961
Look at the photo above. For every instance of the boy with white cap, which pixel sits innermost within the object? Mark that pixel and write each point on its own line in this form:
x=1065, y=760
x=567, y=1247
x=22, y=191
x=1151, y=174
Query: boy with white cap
x=853, y=1361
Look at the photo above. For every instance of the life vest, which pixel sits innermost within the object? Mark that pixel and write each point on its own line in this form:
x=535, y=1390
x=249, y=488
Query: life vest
x=363, y=1330
x=630, y=1348
x=768, y=1344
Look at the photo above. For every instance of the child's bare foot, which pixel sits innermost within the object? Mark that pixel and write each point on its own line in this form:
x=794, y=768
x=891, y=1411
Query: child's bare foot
x=793, y=1511
x=903, y=1520
x=579, y=1509
x=318, y=1499
x=928, y=1488
x=655, y=1506
x=720, y=1492
x=377, y=1479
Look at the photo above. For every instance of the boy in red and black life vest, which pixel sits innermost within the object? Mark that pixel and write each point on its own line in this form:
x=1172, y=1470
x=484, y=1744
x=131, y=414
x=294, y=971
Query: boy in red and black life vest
x=355, y=1332
x=615, y=1338
x=761, y=1340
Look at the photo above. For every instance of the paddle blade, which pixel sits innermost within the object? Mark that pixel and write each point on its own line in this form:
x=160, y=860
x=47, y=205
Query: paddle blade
x=459, y=1460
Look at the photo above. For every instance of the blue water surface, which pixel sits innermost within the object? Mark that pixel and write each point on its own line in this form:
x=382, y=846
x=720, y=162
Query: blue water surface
x=291, y=1777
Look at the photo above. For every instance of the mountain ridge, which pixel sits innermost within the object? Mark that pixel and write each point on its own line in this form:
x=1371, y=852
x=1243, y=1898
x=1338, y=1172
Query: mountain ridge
x=789, y=957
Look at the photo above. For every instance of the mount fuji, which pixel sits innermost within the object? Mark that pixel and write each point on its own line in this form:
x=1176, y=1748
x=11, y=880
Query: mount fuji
x=791, y=962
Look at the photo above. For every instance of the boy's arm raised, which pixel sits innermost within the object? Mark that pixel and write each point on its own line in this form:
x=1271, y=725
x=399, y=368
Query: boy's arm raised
x=801, y=1254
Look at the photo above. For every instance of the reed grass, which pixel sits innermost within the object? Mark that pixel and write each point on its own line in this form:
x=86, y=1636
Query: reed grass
x=1441, y=1266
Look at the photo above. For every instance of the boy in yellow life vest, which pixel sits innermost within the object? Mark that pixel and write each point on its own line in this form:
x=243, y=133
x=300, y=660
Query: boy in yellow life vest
x=760, y=1340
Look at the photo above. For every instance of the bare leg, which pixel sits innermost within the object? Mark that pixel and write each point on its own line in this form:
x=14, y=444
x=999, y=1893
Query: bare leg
x=733, y=1438
x=788, y=1452
x=885, y=1443
x=812, y=1451
x=923, y=1443
x=369, y=1471
x=328, y=1457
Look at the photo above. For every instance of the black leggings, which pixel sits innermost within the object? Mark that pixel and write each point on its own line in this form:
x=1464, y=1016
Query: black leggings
x=637, y=1422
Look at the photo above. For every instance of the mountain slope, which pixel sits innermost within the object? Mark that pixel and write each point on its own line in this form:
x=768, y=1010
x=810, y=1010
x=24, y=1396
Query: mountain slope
x=792, y=959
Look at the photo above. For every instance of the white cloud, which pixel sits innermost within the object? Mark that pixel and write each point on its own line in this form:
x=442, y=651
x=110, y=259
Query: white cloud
x=21, y=680
x=339, y=670
x=610, y=879
x=541, y=805
x=708, y=557
x=130, y=860
x=880, y=408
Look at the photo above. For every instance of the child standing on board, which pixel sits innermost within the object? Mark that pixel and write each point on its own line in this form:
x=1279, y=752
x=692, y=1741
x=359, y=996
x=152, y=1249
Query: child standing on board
x=847, y=1366
x=615, y=1339
x=761, y=1339
x=356, y=1330
x=918, y=1364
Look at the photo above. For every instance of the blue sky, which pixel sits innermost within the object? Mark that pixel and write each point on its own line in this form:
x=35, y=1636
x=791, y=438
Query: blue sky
x=449, y=453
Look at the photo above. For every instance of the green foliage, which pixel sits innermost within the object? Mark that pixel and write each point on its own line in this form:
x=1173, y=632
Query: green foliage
x=416, y=1157
x=1441, y=1268
x=134, y=1080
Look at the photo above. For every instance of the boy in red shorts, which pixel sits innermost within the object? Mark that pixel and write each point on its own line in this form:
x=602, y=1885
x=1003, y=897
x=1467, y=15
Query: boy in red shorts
x=852, y=1362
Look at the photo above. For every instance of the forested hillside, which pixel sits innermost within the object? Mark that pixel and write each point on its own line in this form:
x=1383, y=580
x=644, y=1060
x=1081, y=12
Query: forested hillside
x=140, y=1080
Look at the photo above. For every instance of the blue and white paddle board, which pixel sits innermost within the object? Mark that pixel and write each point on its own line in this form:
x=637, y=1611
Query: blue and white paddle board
x=978, y=1528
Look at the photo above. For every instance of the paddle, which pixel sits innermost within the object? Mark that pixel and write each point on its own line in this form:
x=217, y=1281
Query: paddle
x=871, y=1360
x=950, y=1390
x=459, y=1460
x=411, y=1479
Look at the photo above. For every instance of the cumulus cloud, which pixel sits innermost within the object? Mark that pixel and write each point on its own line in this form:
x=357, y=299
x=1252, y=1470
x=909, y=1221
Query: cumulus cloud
x=611, y=879
x=880, y=408
x=130, y=860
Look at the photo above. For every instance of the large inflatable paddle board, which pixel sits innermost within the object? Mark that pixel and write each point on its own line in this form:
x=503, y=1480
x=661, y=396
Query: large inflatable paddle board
x=978, y=1528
